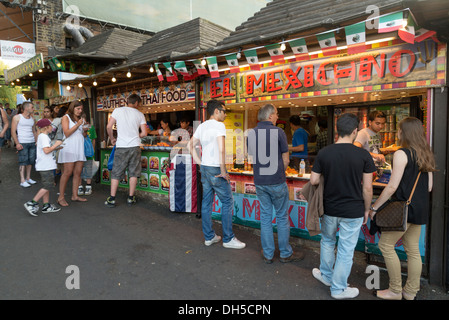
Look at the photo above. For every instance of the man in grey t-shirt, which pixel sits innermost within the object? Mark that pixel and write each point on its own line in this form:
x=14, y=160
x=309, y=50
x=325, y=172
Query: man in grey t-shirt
x=369, y=138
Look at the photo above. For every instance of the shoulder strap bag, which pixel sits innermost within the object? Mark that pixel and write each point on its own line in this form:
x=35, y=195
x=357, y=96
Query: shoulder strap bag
x=392, y=216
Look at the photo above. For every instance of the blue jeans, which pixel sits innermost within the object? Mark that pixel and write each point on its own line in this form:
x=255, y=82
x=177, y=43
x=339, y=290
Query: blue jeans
x=336, y=270
x=222, y=188
x=274, y=197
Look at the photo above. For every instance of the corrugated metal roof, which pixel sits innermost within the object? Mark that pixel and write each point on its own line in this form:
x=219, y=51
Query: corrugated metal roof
x=281, y=18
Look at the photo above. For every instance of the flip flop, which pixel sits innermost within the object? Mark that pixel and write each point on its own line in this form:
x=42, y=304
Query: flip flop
x=79, y=200
x=62, y=203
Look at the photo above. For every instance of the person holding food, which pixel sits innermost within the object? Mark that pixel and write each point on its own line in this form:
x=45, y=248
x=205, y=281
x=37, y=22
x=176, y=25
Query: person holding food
x=270, y=160
x=211, y=136
x=369, y=138
x=129, y=121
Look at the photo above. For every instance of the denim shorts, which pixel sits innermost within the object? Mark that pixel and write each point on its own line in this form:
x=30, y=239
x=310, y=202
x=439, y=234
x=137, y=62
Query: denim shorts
x=2, y=142
x=27, y=156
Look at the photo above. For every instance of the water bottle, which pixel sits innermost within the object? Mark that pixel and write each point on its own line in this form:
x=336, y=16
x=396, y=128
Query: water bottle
x=302, y=168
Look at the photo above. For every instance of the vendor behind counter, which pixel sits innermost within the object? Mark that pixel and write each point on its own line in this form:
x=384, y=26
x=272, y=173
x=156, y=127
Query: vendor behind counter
x=299, y=148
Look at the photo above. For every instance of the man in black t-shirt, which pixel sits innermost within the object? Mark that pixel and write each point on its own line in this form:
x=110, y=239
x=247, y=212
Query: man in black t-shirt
x=348, y=173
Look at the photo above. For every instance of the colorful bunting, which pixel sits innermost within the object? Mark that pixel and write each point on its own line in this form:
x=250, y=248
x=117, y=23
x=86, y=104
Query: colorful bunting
x=277, y=56
x=253, y=60
x=328, y=43
x=422, y=34
x=299, y=48
x=158, y=72
x=180, y=66
x=201, y=69
x=213, y=67
x=355, y=38
x=407, y=33
x=233, y=63
x=391, y=22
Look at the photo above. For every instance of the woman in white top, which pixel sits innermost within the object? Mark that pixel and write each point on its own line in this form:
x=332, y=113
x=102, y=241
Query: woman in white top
x=72, y=155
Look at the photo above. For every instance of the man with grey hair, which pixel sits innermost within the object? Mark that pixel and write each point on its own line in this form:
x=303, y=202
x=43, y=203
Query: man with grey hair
x=268, y=147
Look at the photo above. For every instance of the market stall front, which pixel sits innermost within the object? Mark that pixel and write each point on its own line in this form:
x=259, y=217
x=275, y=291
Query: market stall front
x=391, y=76
x=172, y=103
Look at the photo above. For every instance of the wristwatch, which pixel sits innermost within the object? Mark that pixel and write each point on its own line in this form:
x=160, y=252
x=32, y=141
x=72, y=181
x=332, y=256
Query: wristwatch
x=372, y=209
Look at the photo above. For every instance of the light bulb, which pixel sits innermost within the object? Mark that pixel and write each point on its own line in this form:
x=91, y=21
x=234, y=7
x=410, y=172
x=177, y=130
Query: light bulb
x=95, y=83
x=30, y=74
x=203, y=62
x=151, y=69
x=283, y=47
x=40, y=70
x=114, y=79
x=17, y=80
x=80, y=85
x=68, y=88
x=128, y=74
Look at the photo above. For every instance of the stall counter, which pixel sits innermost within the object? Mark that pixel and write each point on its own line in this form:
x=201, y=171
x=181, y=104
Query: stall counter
x=247, y=212
x=154, y=166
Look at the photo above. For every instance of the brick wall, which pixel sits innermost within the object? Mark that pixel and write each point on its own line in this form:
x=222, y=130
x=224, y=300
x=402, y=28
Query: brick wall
x=51, y=34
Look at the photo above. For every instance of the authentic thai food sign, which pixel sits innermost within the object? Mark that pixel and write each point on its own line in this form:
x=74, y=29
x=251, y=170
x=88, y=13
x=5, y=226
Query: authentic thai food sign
x=397, y=66
x=184, y=92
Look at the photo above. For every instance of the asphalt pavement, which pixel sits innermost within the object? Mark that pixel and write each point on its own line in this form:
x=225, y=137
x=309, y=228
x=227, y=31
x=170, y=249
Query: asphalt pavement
x=90, y=252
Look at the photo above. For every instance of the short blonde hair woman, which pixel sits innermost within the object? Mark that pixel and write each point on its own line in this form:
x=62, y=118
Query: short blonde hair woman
x=414, y=156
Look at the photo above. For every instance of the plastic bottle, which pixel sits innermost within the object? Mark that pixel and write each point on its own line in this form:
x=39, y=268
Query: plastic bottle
x=302, y=168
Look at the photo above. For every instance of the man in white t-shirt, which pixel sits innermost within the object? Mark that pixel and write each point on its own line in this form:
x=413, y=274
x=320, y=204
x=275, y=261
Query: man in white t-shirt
x=211, y=136
x=129, y=121
x=369, y=138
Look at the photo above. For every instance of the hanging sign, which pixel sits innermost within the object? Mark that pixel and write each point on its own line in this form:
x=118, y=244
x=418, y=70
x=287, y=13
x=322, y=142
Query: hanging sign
x=184, y=92
x=383, y=67
x=29, y=66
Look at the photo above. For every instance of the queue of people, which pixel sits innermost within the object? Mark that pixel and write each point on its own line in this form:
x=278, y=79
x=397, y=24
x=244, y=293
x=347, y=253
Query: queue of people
x=343, y=169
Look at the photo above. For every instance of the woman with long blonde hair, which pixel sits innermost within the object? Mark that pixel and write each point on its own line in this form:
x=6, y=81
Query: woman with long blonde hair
x=413, y=157
x=72, y=155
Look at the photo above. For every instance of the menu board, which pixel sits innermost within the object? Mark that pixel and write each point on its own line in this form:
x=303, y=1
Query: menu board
x=234, y=142
x=153, y=177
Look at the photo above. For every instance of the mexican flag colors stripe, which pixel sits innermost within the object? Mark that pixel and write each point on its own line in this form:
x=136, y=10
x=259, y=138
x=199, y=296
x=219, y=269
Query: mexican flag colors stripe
x=233, y=63
x=169, y=73
x=276, y=54
x=407, y=33
x=180, y=66
x=391, y=22
x=299, y=48
x=328, y=43
x=213, y=67
x=158, y=72
x=201, y=69
x=251, y=57
x=355, y=38
x=422, y=34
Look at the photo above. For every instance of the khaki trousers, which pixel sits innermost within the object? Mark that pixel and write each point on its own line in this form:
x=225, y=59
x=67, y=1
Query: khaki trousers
x=410, y=241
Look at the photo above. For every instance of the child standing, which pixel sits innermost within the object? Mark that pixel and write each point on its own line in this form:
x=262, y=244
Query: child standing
x=45, y=164
x=88, y=170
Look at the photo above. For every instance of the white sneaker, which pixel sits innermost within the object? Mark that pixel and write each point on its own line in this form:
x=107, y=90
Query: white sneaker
x=80, y=191
x=234, y=244
x=348, y=293
x=215, y=239
x=317, y=275
x=31, y=181
x=25, y=185
x=88, y=191
x=32, y=208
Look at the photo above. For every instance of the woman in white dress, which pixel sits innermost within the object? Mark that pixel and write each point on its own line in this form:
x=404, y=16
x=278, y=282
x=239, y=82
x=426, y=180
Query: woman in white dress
x=72, y=155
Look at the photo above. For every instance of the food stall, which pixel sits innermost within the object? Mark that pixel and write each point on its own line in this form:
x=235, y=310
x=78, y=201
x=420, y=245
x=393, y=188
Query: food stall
x=170, y=102
x=391, y=75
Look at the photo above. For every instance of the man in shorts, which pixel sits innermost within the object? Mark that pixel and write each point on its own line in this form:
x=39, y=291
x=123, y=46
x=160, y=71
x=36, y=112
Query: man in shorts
x=127, y=146
x=23, y=132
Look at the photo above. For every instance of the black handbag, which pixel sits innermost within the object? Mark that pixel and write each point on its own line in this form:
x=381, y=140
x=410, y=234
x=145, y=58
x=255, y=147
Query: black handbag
x=392, y=216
